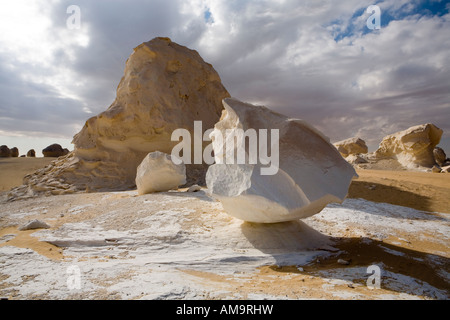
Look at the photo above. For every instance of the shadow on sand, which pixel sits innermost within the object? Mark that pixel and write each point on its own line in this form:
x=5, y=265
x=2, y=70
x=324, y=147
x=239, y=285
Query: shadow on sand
x=388, y=194
x=288, y=240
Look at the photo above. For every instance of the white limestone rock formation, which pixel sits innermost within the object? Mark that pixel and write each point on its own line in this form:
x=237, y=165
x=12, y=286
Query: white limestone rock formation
x=412, y=148
x=311, y=172
x=165, y=86
x=157, y=172
x=351, y=146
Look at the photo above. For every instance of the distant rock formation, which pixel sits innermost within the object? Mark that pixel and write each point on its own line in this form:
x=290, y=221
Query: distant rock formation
x=165, y=86
x=311, y=173
x=31, y=153
x=413, y=147
x=5, y=152
x=351, y=146
x=54, y=150
x=356, y=159
x=439, y=156
x=157, y=172
x=14, y=152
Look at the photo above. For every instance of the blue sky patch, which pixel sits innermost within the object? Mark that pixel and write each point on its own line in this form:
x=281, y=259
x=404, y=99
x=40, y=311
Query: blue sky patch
x=414, y=8
x=208, y=16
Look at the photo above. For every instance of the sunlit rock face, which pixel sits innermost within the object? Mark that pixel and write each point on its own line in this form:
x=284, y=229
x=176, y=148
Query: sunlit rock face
x=412, y=147
x=310, y=172
x=165, y=86
x=351, y=146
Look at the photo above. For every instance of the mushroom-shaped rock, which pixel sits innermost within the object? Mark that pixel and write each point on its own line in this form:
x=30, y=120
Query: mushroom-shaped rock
x=309, y=171
x=351, y=146
x=5, y=152
x=14, y=152
x=412, y=147
x=31, y=153
x=54, y=150
x=157, y=172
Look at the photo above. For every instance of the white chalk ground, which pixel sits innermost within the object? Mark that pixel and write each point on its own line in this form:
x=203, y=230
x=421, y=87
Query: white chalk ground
x=182, y=245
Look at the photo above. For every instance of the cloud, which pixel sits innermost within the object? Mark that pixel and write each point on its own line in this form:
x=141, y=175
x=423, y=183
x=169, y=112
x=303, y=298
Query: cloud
x=314, y=60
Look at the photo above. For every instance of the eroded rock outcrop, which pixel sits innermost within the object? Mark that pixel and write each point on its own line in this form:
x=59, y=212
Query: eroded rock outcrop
x=439, y=156
x=5, y=152
x=356, y=159
x=14, y=152
x=157, y=172
x=31, y=153
x=54, y=151
x=351, y=146
x=413, y=147
x=311, y=173
x=165, y=86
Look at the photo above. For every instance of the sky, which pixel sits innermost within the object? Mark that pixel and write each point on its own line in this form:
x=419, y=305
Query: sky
x=315, y=60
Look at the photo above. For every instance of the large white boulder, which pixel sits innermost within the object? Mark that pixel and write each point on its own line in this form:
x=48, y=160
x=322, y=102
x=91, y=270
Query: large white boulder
x=310, y=174
x=157, y=172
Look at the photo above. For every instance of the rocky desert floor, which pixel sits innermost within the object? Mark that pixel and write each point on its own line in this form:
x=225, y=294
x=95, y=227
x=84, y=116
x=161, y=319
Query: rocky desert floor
x=388, y=240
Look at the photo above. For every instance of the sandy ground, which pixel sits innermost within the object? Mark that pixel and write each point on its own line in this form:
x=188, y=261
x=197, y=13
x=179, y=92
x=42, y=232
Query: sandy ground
x=402, y=227
x=12, y=170
x=419, y=190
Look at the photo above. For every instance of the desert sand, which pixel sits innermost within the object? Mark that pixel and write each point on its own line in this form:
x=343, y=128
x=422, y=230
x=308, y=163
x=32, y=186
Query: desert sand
x=12, y=170
x=418, y=190
x=180, y=245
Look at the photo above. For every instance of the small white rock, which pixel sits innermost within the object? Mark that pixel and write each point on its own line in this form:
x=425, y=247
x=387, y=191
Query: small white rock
x=34, y=224
x=343, y=262
x=194, y=188
x=157, y=172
